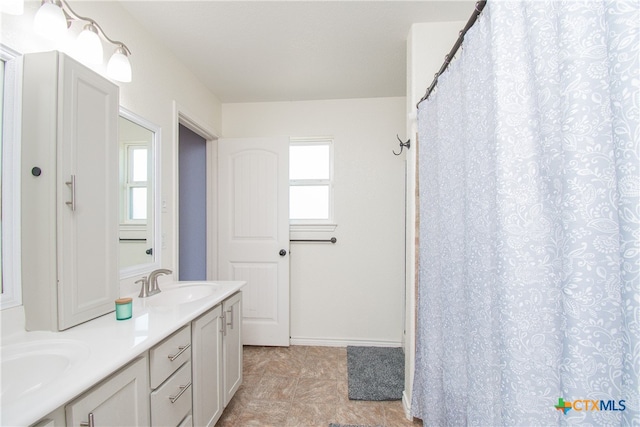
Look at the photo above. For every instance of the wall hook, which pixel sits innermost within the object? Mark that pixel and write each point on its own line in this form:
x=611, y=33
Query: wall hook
x=402, y=145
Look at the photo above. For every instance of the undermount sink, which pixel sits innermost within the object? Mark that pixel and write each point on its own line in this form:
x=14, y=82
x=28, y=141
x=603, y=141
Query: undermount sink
x=180, y=294
x=27, y=367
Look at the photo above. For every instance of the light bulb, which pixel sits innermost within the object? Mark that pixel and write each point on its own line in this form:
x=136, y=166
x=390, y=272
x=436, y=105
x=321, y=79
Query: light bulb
x=50, y=21
x=89, y=45
x=119, y=67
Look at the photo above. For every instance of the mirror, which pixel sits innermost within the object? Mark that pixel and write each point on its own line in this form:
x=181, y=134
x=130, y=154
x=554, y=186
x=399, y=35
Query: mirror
x=10, y=125
x=139, y=194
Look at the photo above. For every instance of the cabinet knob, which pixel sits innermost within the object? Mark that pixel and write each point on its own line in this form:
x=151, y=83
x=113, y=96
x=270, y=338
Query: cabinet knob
x=36, y=171
x=282, y=252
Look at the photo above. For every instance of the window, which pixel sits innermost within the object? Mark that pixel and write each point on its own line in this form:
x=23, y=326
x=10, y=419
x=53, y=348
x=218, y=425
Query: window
x=311, y=181
x=135, y=183
x=10, y=278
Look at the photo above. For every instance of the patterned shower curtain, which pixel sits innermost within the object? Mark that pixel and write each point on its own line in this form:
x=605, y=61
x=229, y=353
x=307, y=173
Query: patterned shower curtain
x=529, y=295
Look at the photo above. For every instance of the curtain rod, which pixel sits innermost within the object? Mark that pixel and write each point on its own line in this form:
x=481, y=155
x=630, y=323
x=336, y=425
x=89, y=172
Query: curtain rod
x=447, y=59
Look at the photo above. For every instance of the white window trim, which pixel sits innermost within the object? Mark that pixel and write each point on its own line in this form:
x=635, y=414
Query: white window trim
x=12, y=120
x=125, y=219
x=311, y=228
x=316, y=225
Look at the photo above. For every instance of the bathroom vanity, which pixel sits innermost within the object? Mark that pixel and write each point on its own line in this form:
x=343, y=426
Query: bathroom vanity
x=177, y=361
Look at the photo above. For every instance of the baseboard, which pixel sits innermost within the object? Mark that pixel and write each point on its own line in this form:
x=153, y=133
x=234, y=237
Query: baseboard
x=340, y=342
x=406, y=404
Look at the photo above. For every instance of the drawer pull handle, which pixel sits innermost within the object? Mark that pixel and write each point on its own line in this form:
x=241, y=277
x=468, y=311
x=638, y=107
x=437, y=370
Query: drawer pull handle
x=183, y=388
x=230, y=311
x=182, y=349
x=90, y=423
x=72, y=186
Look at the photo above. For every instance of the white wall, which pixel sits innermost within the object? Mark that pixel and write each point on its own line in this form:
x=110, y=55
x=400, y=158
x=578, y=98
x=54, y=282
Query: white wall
x=353, y=291
x=160, y=85
x=427, y=45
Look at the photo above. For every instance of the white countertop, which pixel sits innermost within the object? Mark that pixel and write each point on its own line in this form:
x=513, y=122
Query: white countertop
x=103, y=346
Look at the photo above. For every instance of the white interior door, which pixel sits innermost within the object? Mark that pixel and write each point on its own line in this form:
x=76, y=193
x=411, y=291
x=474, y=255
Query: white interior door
x=253, y=242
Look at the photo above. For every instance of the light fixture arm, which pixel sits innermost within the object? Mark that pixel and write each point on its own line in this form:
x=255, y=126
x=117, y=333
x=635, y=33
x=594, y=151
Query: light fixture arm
x=114, y=42
x=72, y=16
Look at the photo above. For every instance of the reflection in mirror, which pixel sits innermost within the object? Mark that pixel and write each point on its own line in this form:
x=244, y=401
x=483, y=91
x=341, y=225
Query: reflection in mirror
x=10, y=126
x=139, y=218
x=1, y=168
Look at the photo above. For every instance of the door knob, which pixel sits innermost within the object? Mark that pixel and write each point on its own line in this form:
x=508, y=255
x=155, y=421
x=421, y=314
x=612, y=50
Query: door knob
x=282, y=252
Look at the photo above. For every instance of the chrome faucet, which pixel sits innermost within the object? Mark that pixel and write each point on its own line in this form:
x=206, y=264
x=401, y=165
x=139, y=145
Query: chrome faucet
x=144, y=289
x=150, y=284
x=152, y=281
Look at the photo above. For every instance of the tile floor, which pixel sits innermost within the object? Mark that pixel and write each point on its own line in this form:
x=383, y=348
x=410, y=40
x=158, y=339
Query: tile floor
x=303, y=386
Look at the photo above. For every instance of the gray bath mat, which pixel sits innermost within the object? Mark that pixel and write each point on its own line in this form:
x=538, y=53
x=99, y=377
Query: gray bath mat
x=375, y=373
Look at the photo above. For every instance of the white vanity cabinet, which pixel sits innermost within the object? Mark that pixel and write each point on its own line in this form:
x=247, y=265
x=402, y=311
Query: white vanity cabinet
x=54, y=419
x=232, y=345
x=167, y=365
x=217, y=359
x=69, y=192
x=170, y=380
x=120, y=400
x=206, y=338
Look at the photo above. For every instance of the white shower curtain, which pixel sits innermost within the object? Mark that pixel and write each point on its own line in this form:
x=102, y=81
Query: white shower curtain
x=528, y=302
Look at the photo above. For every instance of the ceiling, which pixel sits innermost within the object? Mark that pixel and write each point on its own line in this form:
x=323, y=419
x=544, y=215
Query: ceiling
x=256, y=51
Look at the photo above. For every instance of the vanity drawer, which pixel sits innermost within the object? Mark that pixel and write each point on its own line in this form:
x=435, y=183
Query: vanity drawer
x=169, y=355
x=171, y=402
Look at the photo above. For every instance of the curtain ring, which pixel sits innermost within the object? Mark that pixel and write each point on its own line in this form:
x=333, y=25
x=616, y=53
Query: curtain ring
x=476, y=7
x=446, y=58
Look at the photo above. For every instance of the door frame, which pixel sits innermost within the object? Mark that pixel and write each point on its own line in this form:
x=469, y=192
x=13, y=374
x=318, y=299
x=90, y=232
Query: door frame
x=183, y=117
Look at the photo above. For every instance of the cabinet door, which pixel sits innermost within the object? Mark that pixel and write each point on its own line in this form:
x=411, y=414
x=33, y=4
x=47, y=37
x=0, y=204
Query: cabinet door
x=121, y=400
x=69, y=251
x=206, y=359
x=87, y=184
x=54, y=419
x=232, y=346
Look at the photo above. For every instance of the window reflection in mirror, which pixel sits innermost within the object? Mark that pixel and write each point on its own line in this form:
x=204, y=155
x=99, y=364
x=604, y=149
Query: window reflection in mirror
x=138, y=231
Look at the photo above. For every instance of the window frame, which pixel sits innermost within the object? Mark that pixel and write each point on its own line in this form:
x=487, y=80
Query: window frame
x=11, y=295
x=328, y=224
x=129, y=184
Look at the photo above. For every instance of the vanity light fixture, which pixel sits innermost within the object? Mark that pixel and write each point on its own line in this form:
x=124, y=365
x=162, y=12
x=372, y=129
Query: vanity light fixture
x=55, y=16
x=50, y=21
x=89, y=44
x=119, y=67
